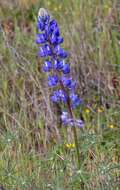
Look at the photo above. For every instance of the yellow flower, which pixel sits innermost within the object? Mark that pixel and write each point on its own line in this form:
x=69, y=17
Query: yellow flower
x=70, y=145
x=100, y=109
x=67, y=145
x=111, y=126
x=87, y=110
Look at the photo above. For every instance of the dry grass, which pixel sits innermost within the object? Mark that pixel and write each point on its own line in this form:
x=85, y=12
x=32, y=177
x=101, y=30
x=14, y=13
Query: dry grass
x=33, y=155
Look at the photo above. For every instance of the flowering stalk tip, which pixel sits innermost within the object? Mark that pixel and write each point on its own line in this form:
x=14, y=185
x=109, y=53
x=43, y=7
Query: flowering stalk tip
x=55, y=63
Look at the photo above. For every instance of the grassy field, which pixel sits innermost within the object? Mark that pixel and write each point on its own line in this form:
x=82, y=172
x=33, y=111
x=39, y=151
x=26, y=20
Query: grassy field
x=36, y=152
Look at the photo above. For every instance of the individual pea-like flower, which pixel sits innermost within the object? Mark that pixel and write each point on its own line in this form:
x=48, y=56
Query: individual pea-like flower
x=41, y=38
x=55, y=96
x=47, y=66
x=59, y=96
x=55, y=38
x=59, y=76
x=53, y=80
x=63, y=96
x=64, y=117
x=70, y=121
x=79, y=123
x=75, y=100
x=66, y=68
x=45, y=51
x=69, y=83
x=58, y=64
x=60, y=52
x=70, y=145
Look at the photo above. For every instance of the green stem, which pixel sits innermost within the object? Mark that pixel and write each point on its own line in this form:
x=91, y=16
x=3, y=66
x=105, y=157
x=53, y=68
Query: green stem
x=75, y=136
x=76, y=145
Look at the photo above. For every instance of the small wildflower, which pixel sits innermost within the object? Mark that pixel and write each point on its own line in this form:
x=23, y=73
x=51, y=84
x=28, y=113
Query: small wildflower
x=52, y=80
x=47, y=66
x=55, y=96
x=100, y=110
x=111, y=126
x=87, y=110
x=71, y=122
x=67, y=145
x=64, y=117
x=70, y=145
x=58, y=64
x=76, y=101
x=66, y=69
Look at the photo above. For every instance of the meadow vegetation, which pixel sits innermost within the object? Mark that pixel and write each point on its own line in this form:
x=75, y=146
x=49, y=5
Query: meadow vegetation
x=36, y=152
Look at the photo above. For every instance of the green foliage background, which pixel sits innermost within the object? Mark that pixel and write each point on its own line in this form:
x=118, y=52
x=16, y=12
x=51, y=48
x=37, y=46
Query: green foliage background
x=33, y=151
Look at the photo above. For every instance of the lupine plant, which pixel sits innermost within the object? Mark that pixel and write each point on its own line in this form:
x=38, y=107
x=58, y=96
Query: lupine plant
x=59, y=77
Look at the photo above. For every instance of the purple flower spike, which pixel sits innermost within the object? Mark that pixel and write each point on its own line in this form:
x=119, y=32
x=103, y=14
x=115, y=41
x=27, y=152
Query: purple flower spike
x=58, y=69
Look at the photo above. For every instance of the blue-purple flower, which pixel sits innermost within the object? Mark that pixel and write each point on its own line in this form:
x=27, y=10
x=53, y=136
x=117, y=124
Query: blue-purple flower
x=75, y=100
x=59, y=96
x=41, y=38
x=70, y=121
x=55, y=96
x=47, y=66
x=59, y=51
x=45, y=51
x=66, y=68
x=53, y=80
x=69, y=83
x=58, y=64
x=59, y=78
